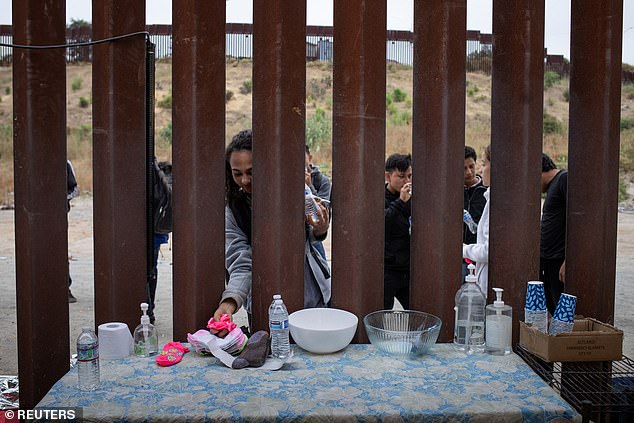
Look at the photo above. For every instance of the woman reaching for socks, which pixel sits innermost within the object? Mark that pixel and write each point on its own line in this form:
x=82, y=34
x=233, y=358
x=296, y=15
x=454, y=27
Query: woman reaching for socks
x=239, y=164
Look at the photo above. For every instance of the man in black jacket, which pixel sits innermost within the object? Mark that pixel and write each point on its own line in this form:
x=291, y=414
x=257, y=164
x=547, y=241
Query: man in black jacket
x=474, y=200
x=398, y=212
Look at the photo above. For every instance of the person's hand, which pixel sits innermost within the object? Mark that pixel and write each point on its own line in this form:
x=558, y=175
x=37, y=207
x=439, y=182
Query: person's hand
x=323, y=219
x=562, y=272
x=229, y=307
x=406, y=192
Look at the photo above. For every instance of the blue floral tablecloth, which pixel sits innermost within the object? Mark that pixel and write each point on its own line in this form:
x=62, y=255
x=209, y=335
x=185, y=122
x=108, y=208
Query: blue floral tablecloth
x=359, y=383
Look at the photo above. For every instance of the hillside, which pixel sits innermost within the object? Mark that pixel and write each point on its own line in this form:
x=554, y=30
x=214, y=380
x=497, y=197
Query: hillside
x=319, y=112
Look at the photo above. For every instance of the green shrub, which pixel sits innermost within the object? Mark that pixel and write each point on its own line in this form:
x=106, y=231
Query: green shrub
x=399, y=95
x=83, y=102
x=627, y=123
x=552, y=125
x=329, y=103
x=76, y=84
x=623, y=195
x=318, y=130
x=566, y=95
x=551, y=78
x=166, y=133
x=85, y=132
x=228, y=95
x=389, y=99
x=7, y=90
x=628, y=91
x=472, y=90
x=247, y=87
x=165, y=102
x=392, y=110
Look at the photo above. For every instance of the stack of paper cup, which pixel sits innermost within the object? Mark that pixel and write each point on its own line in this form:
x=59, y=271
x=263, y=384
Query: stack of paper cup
x=564, y=317
x=535, y=312
x=115, y=341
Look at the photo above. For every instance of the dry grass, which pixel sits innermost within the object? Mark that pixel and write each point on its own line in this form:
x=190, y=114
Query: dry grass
x=319, y=96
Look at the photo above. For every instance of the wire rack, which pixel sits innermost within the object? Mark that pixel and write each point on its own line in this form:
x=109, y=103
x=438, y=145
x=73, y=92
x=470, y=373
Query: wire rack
x=600, y=391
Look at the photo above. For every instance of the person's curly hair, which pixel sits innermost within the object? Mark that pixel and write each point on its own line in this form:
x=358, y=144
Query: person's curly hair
x=243, y=140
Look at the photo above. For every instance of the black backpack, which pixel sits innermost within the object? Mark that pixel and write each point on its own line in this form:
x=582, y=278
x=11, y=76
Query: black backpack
x=162, y=204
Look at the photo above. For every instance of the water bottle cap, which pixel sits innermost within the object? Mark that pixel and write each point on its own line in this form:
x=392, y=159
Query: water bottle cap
x=86, y=328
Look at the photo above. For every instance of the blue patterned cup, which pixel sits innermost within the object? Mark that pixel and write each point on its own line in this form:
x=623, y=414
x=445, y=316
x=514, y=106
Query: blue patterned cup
x=535, y=296
x=535, y=313
x=564, y=317
x=565, y=311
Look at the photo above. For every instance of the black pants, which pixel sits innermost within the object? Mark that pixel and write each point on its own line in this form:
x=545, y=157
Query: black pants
x=553, y=287
x=396, y=284
x=151, y=283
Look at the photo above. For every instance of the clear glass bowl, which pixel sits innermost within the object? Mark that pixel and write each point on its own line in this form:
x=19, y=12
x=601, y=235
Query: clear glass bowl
x=405, y=332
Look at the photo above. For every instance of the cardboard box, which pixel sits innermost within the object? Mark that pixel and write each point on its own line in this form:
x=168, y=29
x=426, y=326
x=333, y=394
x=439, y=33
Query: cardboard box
x=590, y=340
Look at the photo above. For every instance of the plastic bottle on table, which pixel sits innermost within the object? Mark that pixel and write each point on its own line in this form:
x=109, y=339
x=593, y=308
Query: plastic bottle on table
x=309, y=203
x=498, y=326
x=88, y=359
x=145, y=336
x=278, y=325
x=471, y=224
x=469, y=324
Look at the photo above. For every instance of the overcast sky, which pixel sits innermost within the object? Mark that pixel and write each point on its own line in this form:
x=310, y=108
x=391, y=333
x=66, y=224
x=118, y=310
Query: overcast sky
x=400, y=12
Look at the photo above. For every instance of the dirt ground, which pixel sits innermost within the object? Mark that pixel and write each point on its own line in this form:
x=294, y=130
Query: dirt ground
x=80, y=246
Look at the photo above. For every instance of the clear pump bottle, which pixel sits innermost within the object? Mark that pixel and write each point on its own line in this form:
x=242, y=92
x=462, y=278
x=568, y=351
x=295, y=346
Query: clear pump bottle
x=145, y=336
x=499, y=326
x=469, y=325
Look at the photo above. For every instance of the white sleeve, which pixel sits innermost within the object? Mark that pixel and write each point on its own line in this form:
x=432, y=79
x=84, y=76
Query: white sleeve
x=479, y=252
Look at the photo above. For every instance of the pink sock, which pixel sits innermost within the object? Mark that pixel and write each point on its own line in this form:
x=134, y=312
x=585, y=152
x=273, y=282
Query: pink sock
x=172, y=353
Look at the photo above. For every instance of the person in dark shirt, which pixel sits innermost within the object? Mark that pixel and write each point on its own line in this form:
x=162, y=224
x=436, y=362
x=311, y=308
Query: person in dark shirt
x=474, y=200
x=552, y=251
x=398, y=211
x=72, y=191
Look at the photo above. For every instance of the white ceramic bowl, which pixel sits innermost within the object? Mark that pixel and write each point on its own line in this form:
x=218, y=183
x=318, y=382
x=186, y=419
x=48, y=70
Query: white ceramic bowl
x=322, y=330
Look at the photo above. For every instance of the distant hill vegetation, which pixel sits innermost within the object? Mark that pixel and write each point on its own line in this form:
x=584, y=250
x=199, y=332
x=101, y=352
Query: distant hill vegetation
x=318, y=120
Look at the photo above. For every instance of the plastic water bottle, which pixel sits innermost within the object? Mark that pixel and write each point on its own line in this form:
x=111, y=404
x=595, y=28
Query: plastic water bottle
x=309, y=204
x=469, y=325
x=466, y=218
x=278, y=325
x=88, y=359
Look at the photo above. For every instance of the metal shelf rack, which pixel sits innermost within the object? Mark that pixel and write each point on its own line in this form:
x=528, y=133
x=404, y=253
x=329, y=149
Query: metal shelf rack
x=600, y=391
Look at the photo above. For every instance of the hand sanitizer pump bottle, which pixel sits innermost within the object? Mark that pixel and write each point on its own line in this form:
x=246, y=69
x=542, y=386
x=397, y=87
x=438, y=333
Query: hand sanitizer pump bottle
x=498, y=326
x=469, y=324
x=145, y=336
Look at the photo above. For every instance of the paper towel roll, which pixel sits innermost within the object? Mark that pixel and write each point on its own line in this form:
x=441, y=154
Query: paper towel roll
x=115, y=341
